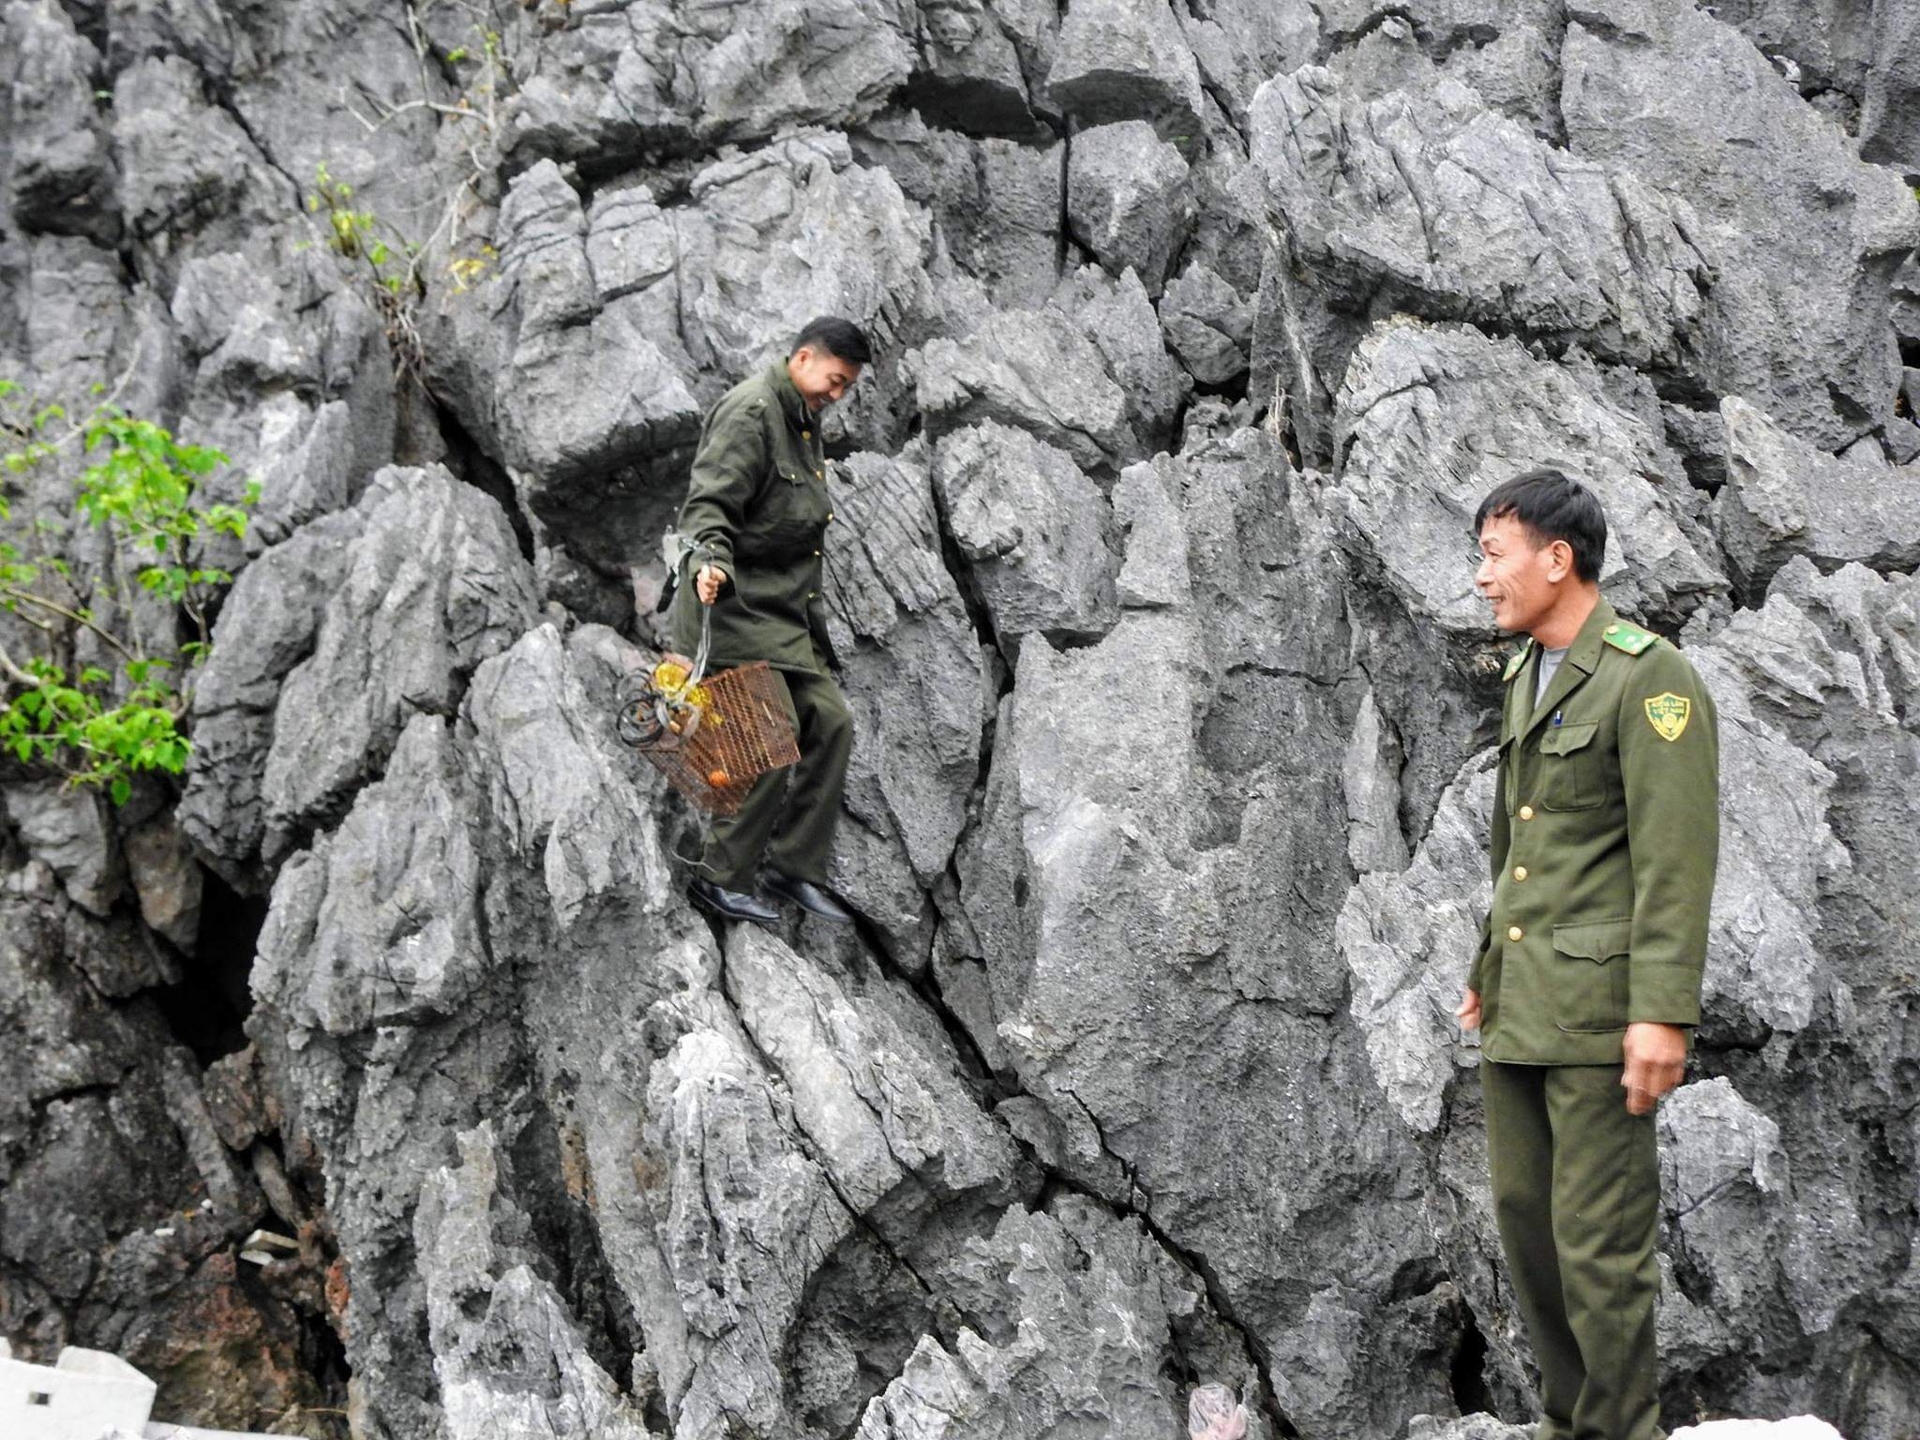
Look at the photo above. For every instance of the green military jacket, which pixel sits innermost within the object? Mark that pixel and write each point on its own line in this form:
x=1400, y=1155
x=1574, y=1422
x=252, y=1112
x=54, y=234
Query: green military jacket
x=1606, y=834
x=757, y=508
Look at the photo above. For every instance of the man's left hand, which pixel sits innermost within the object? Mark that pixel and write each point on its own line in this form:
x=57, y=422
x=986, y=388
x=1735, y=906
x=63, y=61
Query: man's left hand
x=1656, y=1057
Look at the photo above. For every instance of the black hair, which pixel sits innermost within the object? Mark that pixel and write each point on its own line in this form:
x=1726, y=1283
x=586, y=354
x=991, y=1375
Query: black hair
x=837, y=337
x=1552, y=506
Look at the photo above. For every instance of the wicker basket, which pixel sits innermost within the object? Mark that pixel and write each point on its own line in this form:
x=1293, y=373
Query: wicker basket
x=741, y=733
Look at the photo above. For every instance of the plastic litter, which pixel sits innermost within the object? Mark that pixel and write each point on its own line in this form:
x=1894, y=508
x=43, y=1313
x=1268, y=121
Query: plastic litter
x=1214, y=1414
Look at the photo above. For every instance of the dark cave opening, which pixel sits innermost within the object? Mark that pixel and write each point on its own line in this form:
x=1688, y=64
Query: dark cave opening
x=207, y=1009
x=1467, y=1375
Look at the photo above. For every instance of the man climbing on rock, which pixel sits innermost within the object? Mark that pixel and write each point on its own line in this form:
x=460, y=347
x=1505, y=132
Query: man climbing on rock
x=753, y=525
x=1587, y=984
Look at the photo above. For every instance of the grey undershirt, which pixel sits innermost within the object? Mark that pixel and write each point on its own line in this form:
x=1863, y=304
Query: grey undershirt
x=1549, y=662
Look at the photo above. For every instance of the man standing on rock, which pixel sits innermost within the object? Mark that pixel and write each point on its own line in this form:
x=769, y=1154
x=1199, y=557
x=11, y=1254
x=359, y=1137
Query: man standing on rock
x=1587, y=984
x=754, y=521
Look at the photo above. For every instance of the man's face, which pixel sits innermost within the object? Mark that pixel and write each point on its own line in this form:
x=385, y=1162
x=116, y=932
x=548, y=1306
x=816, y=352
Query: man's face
x=1519, y=576
x=820, y=376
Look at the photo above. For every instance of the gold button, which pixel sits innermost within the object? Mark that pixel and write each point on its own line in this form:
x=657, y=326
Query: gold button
x=816, y=554
x=1526, y=812
x=1611, y=630
x=809, y=594
x=806, y=434
x=1514, y=932
x=1519, y=872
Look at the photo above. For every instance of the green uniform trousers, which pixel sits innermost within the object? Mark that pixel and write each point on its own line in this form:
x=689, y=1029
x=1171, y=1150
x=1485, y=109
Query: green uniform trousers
x=794, y=826
x=1576, y=1188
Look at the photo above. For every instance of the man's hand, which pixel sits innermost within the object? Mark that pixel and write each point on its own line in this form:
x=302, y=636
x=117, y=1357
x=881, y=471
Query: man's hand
x=1469, y=1012
x=708, y=582
x=1656, y=1057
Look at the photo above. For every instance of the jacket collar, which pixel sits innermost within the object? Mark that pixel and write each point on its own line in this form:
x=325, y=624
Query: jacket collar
x=1582, y=659
x=781, y=383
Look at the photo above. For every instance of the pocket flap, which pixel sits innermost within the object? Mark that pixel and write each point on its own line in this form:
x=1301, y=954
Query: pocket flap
x=1565, y=739
x=1596, y=940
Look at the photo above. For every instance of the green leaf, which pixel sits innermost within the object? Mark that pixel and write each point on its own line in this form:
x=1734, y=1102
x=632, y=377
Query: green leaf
x=121, y=790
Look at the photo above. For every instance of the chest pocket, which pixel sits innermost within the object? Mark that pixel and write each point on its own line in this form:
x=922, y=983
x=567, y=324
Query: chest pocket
x=1570, y=777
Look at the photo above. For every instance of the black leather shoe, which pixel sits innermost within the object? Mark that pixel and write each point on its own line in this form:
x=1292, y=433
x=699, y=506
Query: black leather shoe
x=809, y=897
x=732, y=904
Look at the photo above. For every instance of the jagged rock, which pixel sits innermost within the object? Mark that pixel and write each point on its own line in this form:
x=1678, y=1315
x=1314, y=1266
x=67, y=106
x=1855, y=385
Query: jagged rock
x=68, y=828
x=190, y=179
x=235, y=1100
x=1126, y=199
x=1120, y=61
x=1509, y=53
x=507, y=1355
x=1803, y=237
x=61, y=175
x=559, y=410
x=644, y=73
x=266, y=628
x=1118, y=317
x=1428, y=202
x=1409, y=937
x=1085, y=1297
x=998, y=202
x=166, y=878
x=1146, y=515
x=1890, y=104
x=1783, y=497
x=1208, y=325
x=1035, y=528
x=1160, y=927
x=1462, y=412
x=723, y=1252
x=1024, y=369
x=980, y=64
x=914, y=675
x=435, y=585
x=1238, y=45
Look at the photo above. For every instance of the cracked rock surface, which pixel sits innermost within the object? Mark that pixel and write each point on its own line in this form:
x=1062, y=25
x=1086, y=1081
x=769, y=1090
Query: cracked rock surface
x=1200, y=329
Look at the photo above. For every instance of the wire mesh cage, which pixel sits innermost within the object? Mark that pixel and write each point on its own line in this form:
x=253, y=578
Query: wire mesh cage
x=713, y=740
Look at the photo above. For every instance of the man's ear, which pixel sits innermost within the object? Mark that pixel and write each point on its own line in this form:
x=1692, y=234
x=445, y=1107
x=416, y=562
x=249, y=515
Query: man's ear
x=1559, y=561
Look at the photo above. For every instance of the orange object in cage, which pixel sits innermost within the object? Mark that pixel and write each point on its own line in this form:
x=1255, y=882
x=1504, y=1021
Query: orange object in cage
x=711, y=748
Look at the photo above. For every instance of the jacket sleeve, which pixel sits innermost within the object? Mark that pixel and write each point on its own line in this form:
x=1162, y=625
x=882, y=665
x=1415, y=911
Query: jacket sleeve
x=1673, y=832
x=727, y=471
x=1498, y=840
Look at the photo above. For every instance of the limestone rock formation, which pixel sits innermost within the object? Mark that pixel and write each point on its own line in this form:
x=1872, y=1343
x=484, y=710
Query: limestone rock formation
x=374, y=1077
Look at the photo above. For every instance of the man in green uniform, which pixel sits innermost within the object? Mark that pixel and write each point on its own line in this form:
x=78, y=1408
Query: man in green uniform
x=754, y=522
x=1587, y=984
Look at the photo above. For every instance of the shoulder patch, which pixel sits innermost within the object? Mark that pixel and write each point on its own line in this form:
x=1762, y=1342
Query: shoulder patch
x=1630, y=638
x=1513, y=665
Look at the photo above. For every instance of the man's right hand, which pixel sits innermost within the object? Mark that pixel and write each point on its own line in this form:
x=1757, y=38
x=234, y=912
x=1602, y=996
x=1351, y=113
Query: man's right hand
x=1469, y=1012
x=708, y=582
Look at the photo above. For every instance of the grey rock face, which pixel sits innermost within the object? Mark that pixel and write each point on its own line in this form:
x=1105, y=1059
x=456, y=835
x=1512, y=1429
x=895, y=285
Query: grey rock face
x=1117, y=61
x=1428, y=202
x=1035, y=528
x=1126, y=198
x=915, y=677
x=486, y=1300
x=435, y=587
x=67, y=829
x=61, y=177
x=646, y=74
x=1030, y=370
x=1662, y=94
x=1208, y=325
x=1784, y=497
